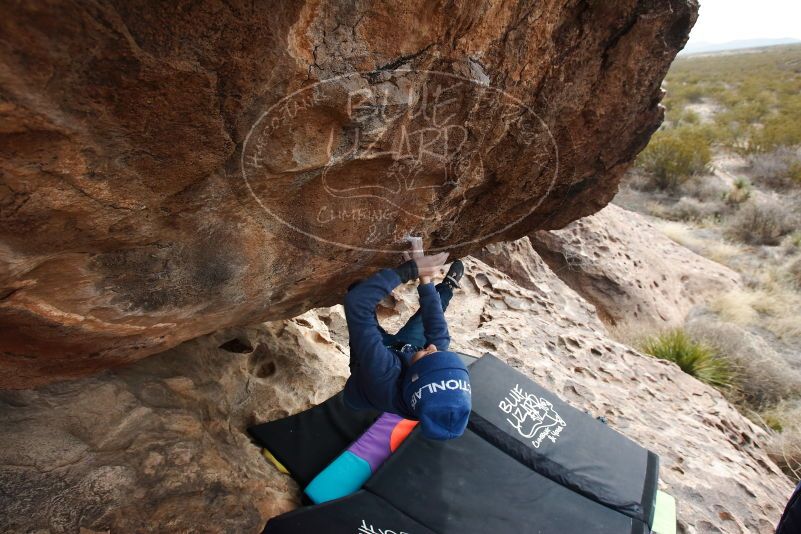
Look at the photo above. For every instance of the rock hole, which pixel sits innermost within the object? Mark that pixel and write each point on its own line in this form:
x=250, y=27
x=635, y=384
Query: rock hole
x=265, y=370
x=260, y=363
x=239, y=346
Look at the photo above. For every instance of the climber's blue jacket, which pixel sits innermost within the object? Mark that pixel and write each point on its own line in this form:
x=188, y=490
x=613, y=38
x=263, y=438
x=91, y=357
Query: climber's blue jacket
x=376, y=371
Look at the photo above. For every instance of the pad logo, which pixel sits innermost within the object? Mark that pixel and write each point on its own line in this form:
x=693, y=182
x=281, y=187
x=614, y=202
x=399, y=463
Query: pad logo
x=369, y=529
x=533, y=417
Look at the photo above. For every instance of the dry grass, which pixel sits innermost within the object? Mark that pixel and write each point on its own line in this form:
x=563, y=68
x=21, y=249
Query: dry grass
x=706, y=188
x=738, y=306
x=772, y=302
x=691, y=209
x=719, y=251
x=772, y=307
x=784, y=447
x=794, y=273
x=763, y=377
x=633, y=333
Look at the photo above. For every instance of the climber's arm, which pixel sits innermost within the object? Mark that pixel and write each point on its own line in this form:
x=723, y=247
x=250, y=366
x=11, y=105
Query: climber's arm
x=434, y=324
x=365, y=338
x=375, y=369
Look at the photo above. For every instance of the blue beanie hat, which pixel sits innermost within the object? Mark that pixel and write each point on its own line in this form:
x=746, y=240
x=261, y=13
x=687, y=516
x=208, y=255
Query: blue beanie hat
x=437, y=389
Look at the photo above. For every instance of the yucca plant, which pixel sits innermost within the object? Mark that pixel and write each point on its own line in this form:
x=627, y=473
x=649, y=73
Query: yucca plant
x=739, y=193
x=694, y=358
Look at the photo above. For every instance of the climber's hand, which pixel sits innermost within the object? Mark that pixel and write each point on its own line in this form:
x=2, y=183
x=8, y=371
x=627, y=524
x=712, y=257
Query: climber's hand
x=428, y=266
x=416, y=249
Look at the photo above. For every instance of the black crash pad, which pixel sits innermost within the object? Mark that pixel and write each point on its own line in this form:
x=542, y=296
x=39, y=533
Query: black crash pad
x=305, y=443
x=534, y=426
x=359, y=513
x=468, y=486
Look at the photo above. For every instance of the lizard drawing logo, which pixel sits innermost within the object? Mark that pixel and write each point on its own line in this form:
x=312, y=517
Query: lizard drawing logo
x=533, y=417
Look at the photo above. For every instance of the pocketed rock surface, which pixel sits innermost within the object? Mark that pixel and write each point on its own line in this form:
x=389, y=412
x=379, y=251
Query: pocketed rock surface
x=630, y=271
x=168, y=169
x=160, y=445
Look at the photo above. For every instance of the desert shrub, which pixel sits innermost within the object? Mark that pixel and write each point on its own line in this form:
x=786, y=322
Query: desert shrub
x=704, y=188
x=739, y=192
x=743, y=112
x=778, y=169
x=694, y=94
x=784, y=447
x=778, y=131
x=794, y=273
x=763, y=377
x=757, y=96
x=690, y=117
x=694, y=358
x=639, y=181
x=690, y=209
x=675, y=155
x=679, y=93
x=736, y=137
x=760, y=223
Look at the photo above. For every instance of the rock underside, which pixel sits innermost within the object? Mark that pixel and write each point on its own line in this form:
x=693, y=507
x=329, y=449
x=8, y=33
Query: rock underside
x=170, y=169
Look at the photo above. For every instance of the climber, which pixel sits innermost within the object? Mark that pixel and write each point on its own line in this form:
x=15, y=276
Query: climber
x=790, y=522
x=410, y=373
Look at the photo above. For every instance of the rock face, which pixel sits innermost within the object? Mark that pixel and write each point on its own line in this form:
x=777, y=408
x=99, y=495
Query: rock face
x=169, y=430
x=161, y=445
x=630, y=271
x=171, y=169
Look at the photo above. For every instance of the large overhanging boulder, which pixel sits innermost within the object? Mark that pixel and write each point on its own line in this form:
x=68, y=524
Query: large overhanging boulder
x=170, y=168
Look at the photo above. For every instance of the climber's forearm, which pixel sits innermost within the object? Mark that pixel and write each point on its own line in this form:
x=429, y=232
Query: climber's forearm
x=366, y=340
x=366, y=343
x=434, y=324
x=361, y=300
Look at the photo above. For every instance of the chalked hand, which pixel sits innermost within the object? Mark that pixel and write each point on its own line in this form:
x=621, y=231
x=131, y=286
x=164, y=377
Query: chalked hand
x=428, y=266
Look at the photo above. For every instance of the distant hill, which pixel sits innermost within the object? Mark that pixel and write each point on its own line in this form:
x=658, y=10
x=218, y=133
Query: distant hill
x=705, y=47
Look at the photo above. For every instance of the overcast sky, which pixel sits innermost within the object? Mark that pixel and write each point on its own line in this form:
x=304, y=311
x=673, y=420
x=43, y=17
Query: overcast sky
x=729, y=20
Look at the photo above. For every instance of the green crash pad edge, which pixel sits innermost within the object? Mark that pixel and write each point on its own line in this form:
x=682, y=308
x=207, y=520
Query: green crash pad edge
x=664, y=514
